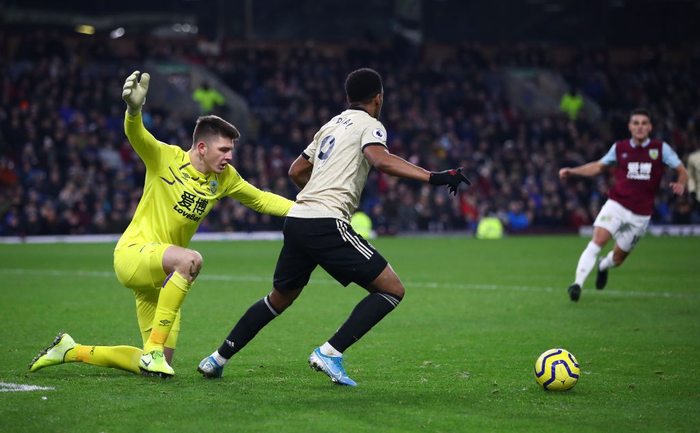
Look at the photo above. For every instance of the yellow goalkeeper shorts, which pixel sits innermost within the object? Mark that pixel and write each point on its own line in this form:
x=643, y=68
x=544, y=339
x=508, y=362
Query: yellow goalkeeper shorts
x=140, y=268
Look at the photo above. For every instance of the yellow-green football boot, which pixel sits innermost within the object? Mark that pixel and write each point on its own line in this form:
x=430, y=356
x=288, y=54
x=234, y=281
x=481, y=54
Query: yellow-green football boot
x=153, y=363
x=54, y=354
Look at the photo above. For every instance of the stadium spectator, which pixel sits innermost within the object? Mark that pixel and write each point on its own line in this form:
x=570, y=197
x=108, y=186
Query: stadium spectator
x=461, y=118
x=210, y=100
x=362, y=224
x=489, y=228
x=571, y=103
x=517, y=218
x=8, y=175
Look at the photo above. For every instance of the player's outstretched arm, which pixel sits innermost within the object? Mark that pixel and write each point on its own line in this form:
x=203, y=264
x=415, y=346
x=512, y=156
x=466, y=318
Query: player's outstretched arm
x=678, y=187
x=260, y=201
x=586, y=170
x=386, y=162
x=134, y=92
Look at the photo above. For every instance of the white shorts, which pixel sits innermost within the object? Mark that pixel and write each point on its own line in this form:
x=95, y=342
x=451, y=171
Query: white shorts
x=624, y=225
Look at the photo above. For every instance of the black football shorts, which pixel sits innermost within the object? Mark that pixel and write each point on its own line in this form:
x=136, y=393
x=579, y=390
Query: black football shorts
x=330, y=243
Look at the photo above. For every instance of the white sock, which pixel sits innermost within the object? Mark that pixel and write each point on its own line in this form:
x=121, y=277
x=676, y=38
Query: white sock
x=607, y=262
x=329, y=350
x=219, y=359
x=586, y=263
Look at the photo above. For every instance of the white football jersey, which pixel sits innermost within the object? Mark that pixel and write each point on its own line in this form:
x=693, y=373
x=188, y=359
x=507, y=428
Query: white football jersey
x=339, y=166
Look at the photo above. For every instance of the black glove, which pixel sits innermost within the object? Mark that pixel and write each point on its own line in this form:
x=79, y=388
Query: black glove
x=451, y=178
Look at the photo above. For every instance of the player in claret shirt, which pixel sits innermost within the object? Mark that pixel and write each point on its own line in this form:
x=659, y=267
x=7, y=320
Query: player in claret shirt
x=152, y=257
x=640, y=166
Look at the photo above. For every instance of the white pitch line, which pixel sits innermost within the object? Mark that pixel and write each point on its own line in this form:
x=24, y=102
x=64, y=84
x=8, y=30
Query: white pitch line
x=257, y=279
x=19, y=387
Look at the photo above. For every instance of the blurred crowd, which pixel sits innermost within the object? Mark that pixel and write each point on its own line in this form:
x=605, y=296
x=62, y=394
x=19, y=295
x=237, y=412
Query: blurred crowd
x=67, y=168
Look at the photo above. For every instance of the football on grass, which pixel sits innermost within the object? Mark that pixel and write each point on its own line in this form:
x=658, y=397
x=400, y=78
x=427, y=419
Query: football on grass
x=556, y=370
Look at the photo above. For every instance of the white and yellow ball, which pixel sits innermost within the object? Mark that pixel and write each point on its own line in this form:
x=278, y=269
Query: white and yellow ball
x=556, y=370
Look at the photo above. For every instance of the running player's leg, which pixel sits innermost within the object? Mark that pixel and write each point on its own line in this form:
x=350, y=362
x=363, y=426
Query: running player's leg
x=587, y=261
x=385, y=293
x=256, y=318
x=246, y=328
x=292, y=273
x=605, y=226
x=350, y=258
x=614, y=258
x=629, y=234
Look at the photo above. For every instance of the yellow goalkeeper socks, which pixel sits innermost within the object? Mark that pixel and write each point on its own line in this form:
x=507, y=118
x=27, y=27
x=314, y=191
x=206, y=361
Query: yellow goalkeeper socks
x=121, y=357
x=170, y=300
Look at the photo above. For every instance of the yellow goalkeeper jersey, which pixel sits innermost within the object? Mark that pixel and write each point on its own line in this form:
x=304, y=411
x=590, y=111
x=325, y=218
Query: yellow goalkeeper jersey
x=176, y=197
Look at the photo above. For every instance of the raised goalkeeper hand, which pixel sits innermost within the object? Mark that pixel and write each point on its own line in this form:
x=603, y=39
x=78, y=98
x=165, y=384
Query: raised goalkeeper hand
x=134, y=93
x=451, y=178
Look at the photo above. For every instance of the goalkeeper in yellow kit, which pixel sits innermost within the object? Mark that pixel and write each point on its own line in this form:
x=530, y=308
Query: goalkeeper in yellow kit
x=151, y=257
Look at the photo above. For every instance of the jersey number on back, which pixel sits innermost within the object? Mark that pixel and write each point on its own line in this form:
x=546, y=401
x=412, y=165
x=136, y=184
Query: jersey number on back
x=326, y=148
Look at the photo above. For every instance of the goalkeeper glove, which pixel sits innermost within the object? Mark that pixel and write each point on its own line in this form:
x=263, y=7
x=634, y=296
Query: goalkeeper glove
x=134, y=93
x=451, y=178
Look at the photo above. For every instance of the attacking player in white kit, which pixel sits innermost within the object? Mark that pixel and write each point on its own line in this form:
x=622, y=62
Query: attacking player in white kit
x=332, y=172
x=625, y=216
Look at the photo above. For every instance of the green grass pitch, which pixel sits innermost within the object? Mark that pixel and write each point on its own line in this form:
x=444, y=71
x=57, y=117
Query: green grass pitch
x=456, y=355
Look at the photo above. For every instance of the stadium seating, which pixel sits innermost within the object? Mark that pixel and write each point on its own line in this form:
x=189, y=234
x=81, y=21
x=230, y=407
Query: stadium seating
x=67, y=168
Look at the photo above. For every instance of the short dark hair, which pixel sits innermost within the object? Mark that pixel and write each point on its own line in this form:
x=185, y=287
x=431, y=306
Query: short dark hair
x=211, y=126
x=641, y=111
x=363, y=85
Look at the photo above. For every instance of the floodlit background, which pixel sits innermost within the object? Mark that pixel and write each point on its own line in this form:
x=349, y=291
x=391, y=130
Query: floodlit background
x=472, y=84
